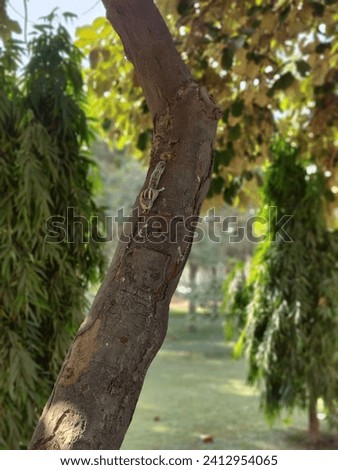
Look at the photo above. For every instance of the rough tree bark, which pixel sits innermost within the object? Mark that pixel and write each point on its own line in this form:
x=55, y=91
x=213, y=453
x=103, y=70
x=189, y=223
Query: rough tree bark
x=95, y=395
x=313, y=426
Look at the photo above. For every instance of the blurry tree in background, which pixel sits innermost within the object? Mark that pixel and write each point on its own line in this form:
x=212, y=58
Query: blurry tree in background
x=222, y=241
x=235, y=301
x=44, y=168
x=291, y=296
x=7, y=25
x=119, y=177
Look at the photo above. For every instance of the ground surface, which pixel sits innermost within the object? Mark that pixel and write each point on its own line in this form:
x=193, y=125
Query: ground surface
x=194, y=387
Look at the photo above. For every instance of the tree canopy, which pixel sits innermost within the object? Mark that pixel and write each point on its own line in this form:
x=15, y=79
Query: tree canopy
x=271, y=66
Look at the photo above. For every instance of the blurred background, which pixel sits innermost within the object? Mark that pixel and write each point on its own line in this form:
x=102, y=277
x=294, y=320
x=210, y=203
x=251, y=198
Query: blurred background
x=250, y=359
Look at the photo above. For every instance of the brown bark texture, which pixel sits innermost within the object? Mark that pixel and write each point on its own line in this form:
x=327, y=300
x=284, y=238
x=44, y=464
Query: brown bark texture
x=95, y=395
x=314, y=426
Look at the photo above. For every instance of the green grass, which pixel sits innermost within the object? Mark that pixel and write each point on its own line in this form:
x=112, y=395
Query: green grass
x=194, y=387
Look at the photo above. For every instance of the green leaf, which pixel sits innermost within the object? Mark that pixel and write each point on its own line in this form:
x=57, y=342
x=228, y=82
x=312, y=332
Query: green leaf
x=255, y=57
x=107, y=124
x=321, y=48
x=100, y=22
x=68, y=15
x=224, y=157
x=318, y=8
x=226, y=115
x=237, y=107
x=228, y=330
x=231, y=191
x=254, y=10
x=259, y=177
x=234, y=132
x=144, y=107
x=217, y=185
x=303, y=67
x=144, y=140
x=284, y=13
x=227, y=57
x=184, y=7
x=87, y=33
x=248, y=175
x=256, y=23
x=42, y=28
x=284, y=82
x=239, y=347
x=203, y=63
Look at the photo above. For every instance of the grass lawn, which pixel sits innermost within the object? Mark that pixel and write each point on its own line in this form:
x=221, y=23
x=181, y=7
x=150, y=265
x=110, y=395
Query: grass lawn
x=194, y=387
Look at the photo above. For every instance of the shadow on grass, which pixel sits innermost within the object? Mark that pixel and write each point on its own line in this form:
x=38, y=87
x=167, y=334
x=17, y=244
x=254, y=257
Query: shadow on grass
x=194, y=387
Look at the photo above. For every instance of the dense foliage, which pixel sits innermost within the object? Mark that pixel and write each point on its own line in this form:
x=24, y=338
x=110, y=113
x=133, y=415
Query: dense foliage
x=271, y=65
x=236, y=298
x=43, y=170
x=291, y=328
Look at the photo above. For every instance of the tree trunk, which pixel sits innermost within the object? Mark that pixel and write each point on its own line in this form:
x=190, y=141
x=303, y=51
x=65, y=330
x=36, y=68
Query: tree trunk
x=314, y=431
x=193, y=268
x=95, y=395
x=214, y=304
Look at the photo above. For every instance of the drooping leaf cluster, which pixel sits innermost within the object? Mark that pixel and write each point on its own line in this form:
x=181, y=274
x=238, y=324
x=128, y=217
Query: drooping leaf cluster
x=291, y=328
x=236, y=298
x=270, y=65
x=44, y=169
x=7, y=25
